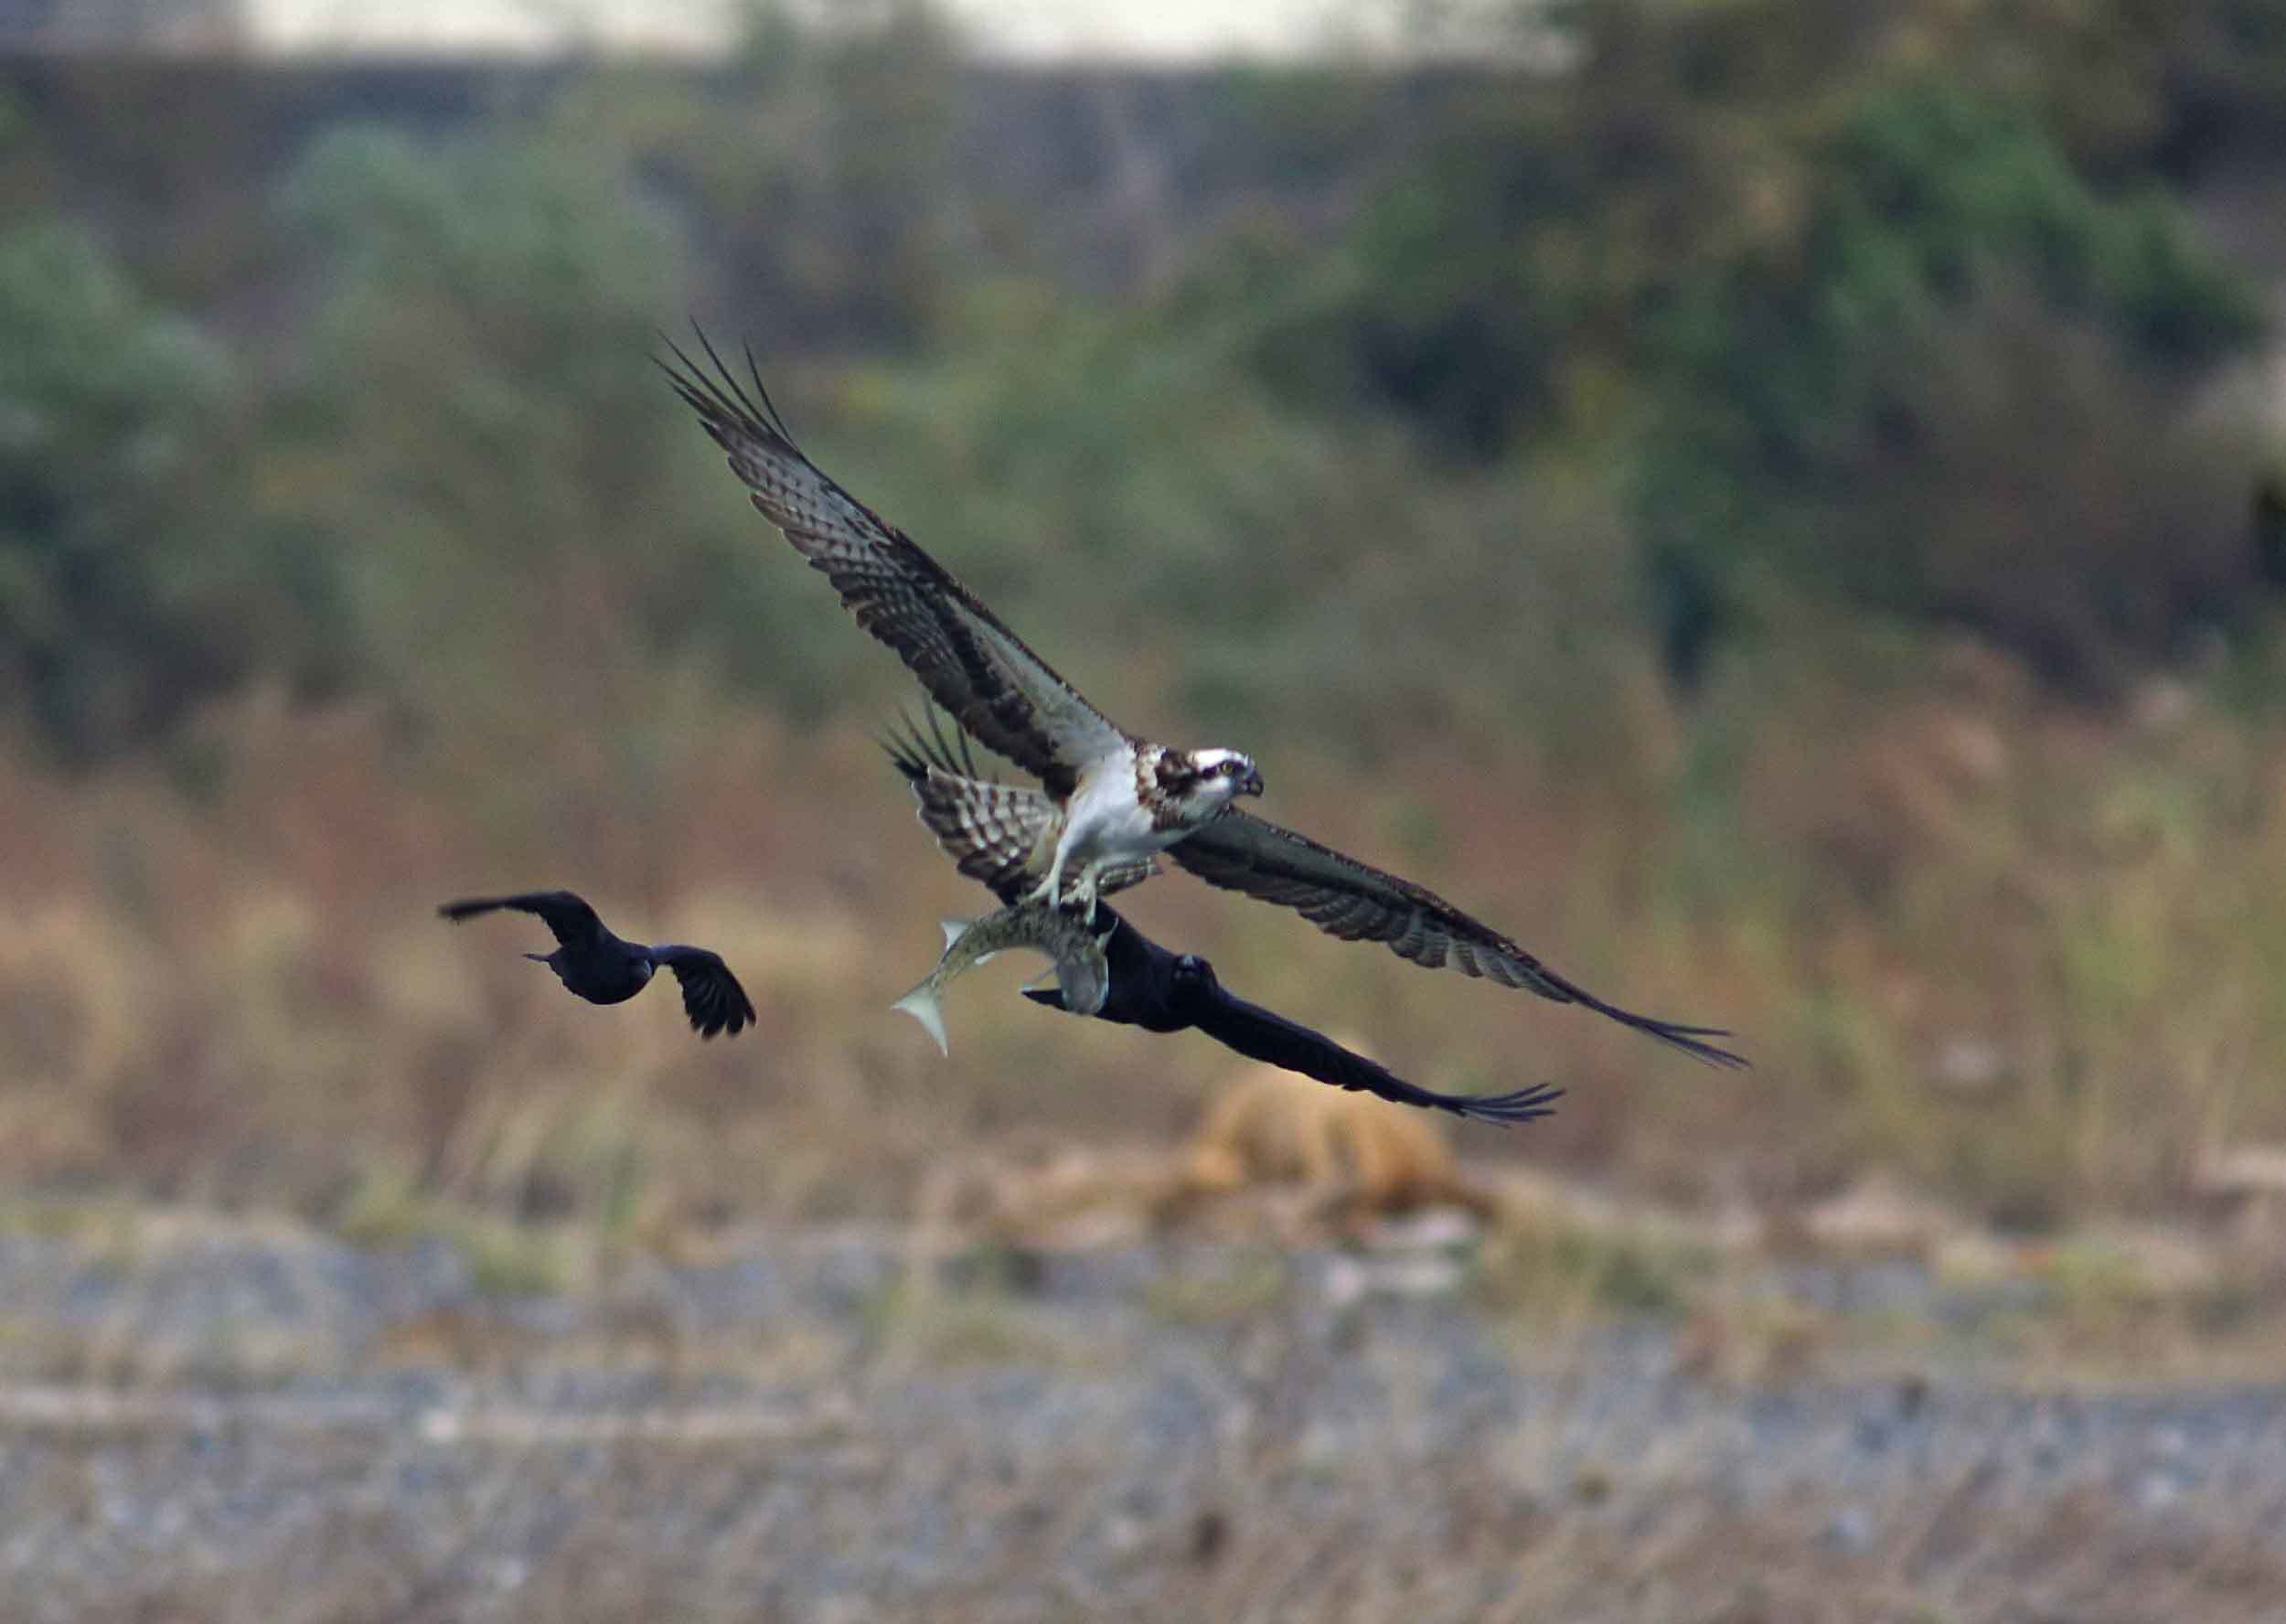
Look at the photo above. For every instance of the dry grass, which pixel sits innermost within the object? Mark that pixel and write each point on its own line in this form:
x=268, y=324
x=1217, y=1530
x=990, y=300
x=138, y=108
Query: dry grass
x=2019, y=955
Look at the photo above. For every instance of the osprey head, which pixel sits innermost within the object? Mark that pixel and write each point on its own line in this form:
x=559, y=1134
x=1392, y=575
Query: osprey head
x=1202, y=782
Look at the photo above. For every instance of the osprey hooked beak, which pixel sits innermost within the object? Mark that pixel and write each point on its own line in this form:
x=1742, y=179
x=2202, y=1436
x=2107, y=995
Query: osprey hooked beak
x=1240, y=773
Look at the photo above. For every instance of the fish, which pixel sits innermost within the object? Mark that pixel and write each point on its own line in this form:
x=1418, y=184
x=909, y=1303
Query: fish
x=1063, y=939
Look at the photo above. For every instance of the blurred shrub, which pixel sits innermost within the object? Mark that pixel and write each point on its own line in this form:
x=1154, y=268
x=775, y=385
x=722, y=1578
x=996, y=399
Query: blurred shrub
x=2133, y=85
x=469, y=428
x=1121, y=486
x=1832, y=269
x=821, y=177
x=1956, y=385
x=1497, y=283
x=135, y=582
x=487, y=309
x=1466, y=292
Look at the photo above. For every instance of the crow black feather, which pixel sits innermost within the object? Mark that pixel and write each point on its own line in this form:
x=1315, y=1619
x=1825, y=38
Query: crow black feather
x=1165, y=992
x=604, y=970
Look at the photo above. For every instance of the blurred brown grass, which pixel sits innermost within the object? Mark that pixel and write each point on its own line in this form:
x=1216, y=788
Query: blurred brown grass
x=2016, y=953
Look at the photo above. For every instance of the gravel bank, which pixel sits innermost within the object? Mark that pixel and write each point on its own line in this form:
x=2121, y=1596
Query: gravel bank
x=247, y=1425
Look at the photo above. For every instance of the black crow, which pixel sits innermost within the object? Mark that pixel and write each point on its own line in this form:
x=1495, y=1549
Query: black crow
x=1164, y=992
x=603, y=969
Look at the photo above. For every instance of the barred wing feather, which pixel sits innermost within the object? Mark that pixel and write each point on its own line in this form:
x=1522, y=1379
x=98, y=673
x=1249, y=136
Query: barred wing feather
x=1359, y=903
x=999, y=834
x=972, y=665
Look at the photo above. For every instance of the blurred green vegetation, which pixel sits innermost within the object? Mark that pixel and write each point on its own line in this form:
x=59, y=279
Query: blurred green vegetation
x=1881, y=308
x=135, y=578
x=1724, y=474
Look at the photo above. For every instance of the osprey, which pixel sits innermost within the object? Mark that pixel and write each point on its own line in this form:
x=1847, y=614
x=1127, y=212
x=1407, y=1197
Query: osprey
x=1127, y=978
x=1109, y=801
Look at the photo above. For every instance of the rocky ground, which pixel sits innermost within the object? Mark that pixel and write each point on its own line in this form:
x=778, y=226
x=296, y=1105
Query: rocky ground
x=206, y=1421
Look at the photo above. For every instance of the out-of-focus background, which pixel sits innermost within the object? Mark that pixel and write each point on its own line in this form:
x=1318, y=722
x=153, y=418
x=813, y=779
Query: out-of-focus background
x=1782, y=504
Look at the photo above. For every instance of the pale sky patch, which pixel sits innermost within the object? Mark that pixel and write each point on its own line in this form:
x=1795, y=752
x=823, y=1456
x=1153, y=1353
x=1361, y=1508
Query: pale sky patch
x=1164, y=31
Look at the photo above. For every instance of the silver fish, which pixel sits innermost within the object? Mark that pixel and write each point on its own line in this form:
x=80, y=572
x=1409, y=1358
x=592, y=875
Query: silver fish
x=1063, y=939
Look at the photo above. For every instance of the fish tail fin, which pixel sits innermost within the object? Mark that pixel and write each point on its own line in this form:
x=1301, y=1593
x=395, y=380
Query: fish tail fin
x=922, y=1004
x=955, y=929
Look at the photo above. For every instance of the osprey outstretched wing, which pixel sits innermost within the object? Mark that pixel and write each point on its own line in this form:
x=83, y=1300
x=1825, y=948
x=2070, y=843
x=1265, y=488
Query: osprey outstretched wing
x=1116, y=798
x=1359, y=903
x=979, y=670
x=993, y=832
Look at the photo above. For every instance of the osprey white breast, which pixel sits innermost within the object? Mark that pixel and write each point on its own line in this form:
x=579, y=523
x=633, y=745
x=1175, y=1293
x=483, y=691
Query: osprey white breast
x=1135, y=803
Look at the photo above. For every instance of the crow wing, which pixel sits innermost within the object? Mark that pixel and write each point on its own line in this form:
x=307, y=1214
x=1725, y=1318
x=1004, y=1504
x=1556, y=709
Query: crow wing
x=711, y=994
x=981, y=671
x=565, y=914
x=1357, y=901
x=1262, y=1034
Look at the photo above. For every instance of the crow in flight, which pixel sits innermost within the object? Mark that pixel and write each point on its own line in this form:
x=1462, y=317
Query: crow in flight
x=603, y=969
x=1163, y=992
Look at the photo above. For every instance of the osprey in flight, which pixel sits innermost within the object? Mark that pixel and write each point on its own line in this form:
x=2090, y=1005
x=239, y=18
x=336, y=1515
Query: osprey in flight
x=1109, y=801
x=1134, y=981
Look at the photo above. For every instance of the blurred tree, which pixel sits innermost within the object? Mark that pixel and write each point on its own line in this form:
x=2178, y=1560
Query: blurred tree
x=1747, y=237
x=477, y=404
x=487, y=308
x=1858, y=298
x=134, y=580
x=821, y=175
x=480, y=433
x=1498, y=284
x=1955, y=385
x=2129, y=86
x=170, y=158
